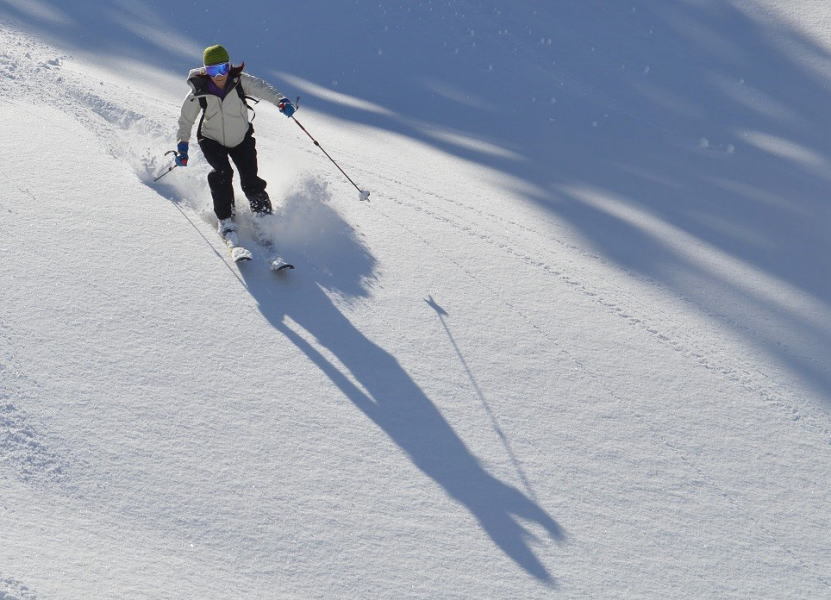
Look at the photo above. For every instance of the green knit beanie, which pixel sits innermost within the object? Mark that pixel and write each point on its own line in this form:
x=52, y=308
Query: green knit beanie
x=214, y=55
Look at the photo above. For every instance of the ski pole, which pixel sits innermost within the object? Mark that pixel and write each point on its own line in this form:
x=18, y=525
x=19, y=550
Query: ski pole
x=169, y=168
x=364, y=194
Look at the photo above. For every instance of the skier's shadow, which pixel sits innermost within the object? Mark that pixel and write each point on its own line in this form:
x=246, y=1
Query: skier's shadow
x=393, y=401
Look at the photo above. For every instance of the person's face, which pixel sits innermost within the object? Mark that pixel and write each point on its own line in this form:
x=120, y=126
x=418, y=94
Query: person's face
x=218, y=73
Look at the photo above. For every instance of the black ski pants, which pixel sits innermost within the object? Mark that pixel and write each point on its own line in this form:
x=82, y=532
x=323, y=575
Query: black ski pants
x=221, y=177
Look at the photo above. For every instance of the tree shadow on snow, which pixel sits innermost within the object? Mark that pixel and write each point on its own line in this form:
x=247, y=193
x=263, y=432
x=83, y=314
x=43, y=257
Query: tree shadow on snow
x=298, y=305
x=683, y=141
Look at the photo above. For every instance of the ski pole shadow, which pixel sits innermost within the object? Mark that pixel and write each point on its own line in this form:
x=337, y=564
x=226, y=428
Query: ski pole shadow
x=442, y=314
x=392, y=400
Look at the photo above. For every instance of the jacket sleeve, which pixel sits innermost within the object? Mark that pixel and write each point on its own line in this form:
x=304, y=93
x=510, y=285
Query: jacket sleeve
x=187, y=117
x=257, y=88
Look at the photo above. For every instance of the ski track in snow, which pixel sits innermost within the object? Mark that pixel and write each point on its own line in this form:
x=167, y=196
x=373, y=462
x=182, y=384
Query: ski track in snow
x=768, y=394
x=35, y=71
x=728, y=368
x=620, y=304
x=614, y=301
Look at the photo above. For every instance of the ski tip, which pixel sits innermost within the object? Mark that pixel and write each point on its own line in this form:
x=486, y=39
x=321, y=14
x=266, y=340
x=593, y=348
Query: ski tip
x=240, y=254
x=277, y=267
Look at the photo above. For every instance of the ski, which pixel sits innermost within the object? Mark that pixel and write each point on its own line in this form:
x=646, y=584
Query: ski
x=278, y=264
x=275, y=261
x=238, y=253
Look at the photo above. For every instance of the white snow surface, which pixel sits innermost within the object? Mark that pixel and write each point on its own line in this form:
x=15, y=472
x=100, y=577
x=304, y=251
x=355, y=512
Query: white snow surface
x=577, y=345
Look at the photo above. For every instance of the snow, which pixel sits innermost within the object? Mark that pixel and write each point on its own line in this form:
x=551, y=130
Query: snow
x=576, y=344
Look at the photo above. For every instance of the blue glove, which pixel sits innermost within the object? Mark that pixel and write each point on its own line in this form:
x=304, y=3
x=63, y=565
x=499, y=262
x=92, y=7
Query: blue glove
x=286, y=107
x=182, y=156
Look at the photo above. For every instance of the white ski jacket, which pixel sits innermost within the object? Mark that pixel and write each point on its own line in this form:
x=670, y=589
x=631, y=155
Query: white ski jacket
x=225, y=120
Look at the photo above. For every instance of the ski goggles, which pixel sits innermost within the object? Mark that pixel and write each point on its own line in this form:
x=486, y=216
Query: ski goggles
x=218, y=70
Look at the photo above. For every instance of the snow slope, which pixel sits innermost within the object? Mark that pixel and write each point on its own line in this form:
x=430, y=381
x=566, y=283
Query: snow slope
x=576, y=346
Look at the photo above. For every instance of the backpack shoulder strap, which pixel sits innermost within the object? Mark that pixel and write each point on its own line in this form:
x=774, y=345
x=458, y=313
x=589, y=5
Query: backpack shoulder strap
x=204, y=104
x=245, y=98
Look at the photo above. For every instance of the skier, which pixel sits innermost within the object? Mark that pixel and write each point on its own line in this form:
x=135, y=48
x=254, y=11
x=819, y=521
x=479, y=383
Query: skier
x=219, y=91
